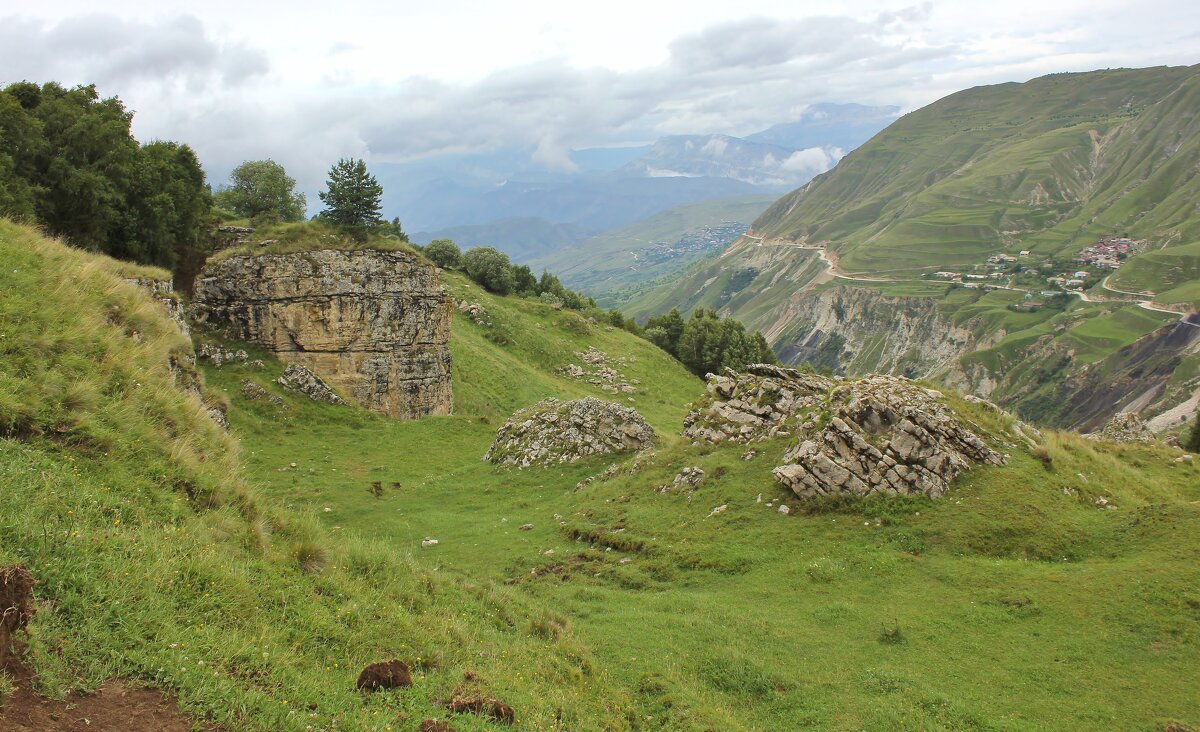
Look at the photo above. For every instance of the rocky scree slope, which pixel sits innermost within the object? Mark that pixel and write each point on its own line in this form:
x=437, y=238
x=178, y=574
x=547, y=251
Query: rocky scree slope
x=375, y=325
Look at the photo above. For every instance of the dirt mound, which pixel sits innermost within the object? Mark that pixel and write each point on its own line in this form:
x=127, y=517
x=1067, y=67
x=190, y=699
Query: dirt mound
x=385, y=675
x=16, y=605
x=433, y=725
x=114, y=708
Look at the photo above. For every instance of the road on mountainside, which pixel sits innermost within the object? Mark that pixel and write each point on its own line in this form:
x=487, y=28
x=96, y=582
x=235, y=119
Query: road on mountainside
x=832, y=270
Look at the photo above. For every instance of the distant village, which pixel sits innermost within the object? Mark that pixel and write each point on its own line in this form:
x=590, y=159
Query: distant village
x=1106, y=254
x=705, y=240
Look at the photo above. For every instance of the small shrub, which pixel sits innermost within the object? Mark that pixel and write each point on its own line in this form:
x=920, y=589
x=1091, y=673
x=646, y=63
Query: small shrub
x=1044, y=457
x=891, y=635
x=310, y=555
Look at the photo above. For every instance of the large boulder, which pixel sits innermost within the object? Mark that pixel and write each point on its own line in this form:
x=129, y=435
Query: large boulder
x=374, y=325
x=760, y=402
x=883, y=434
x=553, y=431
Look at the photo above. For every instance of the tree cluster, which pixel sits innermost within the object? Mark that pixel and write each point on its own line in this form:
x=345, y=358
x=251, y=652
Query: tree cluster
x=491, y=268
x=707, y=343
x=69, y=163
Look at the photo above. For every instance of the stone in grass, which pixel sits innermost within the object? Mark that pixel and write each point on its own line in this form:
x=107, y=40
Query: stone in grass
x=553, y=432
x=392, y=674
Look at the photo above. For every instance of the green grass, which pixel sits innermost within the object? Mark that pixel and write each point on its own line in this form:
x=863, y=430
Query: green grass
x=304, y=236
x=1014, y=603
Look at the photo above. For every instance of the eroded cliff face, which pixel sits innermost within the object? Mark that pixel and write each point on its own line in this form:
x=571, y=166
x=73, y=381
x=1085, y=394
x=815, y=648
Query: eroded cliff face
x=373, y=324
x=855, y=330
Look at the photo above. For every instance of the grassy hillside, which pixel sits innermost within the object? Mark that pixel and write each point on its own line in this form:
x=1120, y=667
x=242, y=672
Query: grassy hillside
x=1170, y=274
x=646, y=250
x=1016, y=602
x=1048, y=165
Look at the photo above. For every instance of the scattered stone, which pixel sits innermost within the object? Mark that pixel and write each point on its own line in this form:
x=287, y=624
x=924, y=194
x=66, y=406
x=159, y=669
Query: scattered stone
x=717, y=510
x=689, y=478
x=1101, y=501
x=883, y=434
x=220, y=355
x=1184, y=459
x=392, y=674
x=475, y=312
x=784, y=509
x=254, y=391
x=1172, y=441
x=526, y=527
x=1124, y=427
x=257, y=364
x=598, y=371
x=552, y=432
x=750, y=454
x=758, y=498
x=299, y=378
x=429, y=541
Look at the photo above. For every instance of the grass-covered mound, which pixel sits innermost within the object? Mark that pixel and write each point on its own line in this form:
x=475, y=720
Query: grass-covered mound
x=156, y=562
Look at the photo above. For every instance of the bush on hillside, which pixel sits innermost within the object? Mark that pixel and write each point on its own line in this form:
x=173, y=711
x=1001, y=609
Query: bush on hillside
x=1193, y=443
x=490, y=268
x=445, y=254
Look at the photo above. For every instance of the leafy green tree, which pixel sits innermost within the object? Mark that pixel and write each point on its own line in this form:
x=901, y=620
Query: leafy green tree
x=20, y=143
x=262, y=190
x=353, y=199
x=391, y=228
x=524, y=283
x=168, y=204
x=667, y=329
x=709, y=344
x=490, y=268
x=444, y=253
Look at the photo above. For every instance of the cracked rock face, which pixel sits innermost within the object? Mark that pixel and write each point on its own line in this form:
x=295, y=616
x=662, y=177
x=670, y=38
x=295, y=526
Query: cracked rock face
x=552, y=432
x=879, y=434
x=374, y=325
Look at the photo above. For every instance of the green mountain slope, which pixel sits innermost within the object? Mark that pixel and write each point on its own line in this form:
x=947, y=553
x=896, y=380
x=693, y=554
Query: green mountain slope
x=844, y=272
x=1048, y=165
x=621, y=607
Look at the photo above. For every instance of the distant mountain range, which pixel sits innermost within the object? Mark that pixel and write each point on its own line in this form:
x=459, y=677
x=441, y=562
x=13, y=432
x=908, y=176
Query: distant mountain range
x=505, y=200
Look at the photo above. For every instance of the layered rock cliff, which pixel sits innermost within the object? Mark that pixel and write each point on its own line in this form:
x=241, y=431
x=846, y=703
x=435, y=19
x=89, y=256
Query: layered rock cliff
x=374, y=325
x=857, y=330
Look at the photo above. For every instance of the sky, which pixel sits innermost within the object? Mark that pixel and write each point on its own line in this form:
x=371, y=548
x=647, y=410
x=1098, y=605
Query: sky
x=306, y=83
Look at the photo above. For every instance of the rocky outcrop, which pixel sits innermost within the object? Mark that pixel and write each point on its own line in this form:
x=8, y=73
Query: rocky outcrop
x=163, y=292
x=856, y=330
x=761, y=402
x=552, y=432
x=878, y=434
x=374, y=325
x=1124, y=427
x=299, y=379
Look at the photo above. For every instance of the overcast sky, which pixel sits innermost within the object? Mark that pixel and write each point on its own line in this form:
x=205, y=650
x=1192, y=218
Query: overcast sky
x=305, y=82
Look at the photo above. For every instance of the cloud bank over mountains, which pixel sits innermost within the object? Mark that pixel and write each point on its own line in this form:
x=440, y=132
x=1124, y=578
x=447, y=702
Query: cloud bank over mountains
x=193, y=78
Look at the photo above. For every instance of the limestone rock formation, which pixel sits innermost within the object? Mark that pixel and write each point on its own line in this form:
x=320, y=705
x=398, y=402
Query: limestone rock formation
x=1124, y=427
x=553, y=431
x=856, y=436
x=298, y=378
x=373, y=324
x=759, y=403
